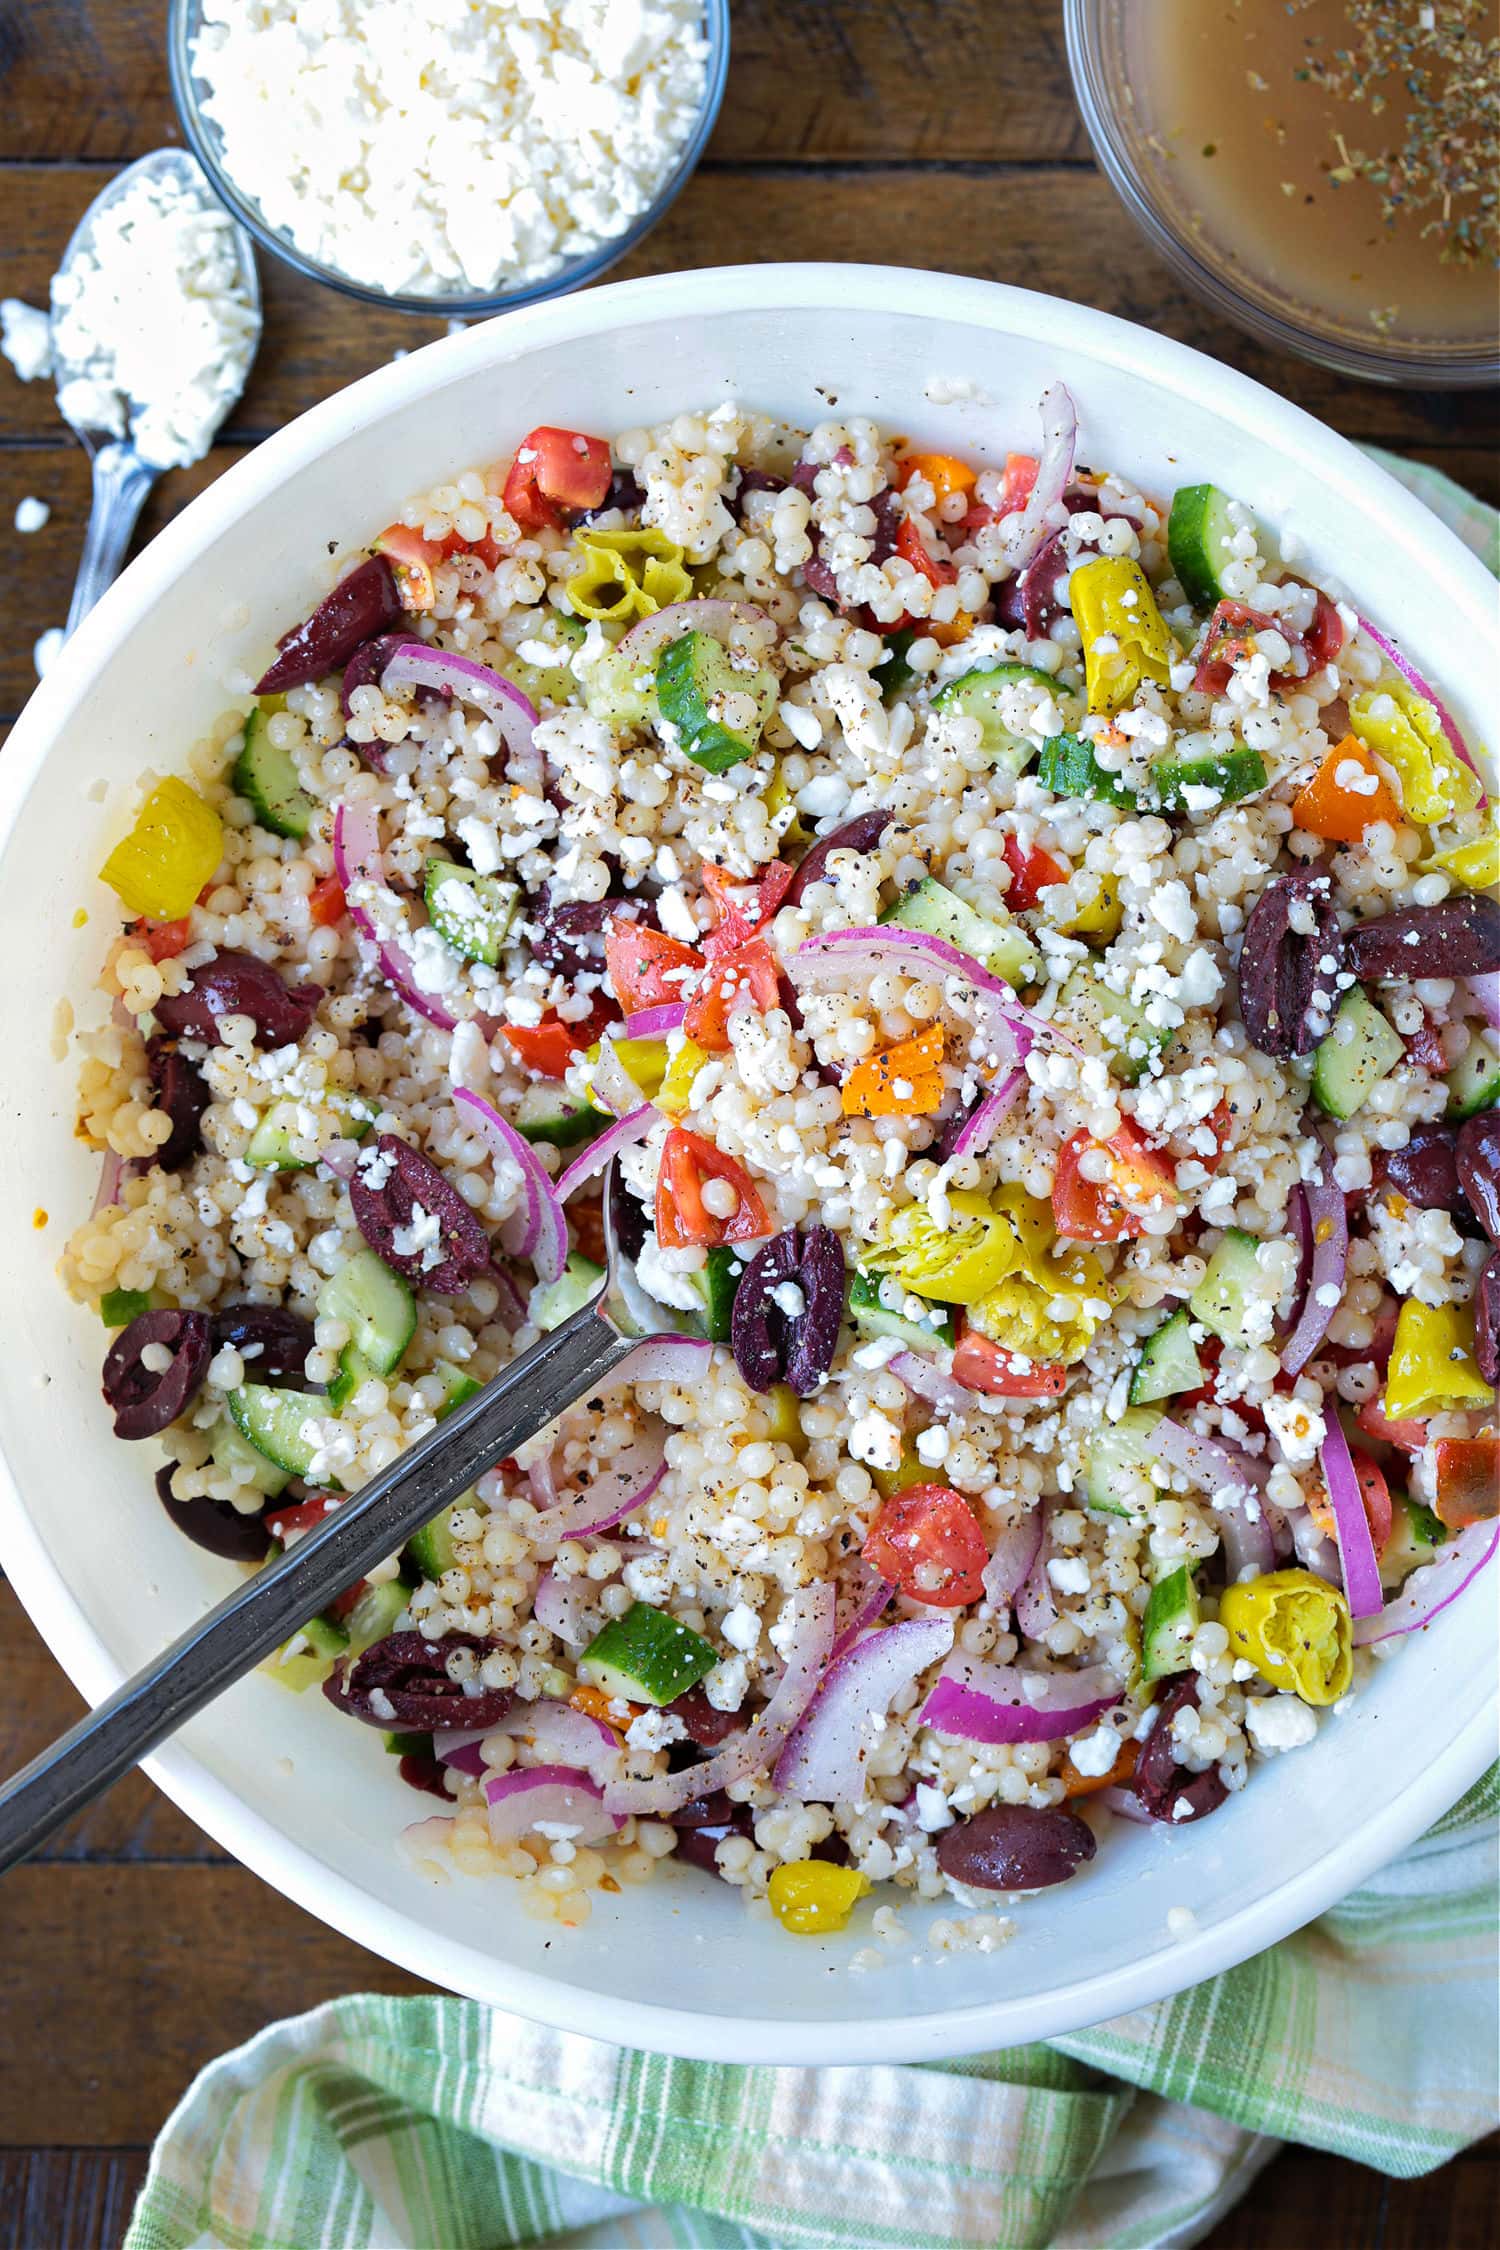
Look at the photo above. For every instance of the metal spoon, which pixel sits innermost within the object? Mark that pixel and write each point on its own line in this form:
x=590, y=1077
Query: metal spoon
x=244, y=1629
x=122, y=475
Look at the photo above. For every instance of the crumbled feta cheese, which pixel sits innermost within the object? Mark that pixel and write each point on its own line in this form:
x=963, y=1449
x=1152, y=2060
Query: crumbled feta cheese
x=1278, y=1722
x=741, y=1627
x=1094, y=1753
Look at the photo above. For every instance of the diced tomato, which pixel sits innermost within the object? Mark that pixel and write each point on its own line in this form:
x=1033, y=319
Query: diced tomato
x=1325, y=636
x=926, y=1541
x=548, y=1047
x=648, y=969
x=1031, y=873
x=298, y=1516
x=976, y=519
x=1230, y=631
x=1020, y=476
x=746, y=977
x=743, y=908
x=1219, y=1122
x=1424, y=1049
x=326, y=903
x=1373, y=1490
x=984, y=1366
x=1468, y=1479
x=586, y=1225
x=556, y=470
x=161, y=939
x=413, y=560
x=1407, y=1436
x=341, y=1604
x=936, y=569
x=1106, y=1210
x=683, y=1219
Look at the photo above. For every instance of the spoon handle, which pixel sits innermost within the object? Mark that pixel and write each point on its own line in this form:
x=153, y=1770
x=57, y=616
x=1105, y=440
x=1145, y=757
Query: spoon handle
x=121, y=483
x=247, y=1625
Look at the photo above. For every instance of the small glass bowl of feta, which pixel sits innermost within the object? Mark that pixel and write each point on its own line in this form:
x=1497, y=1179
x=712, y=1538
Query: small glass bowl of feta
x=458, y=160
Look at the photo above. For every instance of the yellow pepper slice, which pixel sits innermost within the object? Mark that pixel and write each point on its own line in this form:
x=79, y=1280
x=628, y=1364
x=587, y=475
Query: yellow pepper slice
x=984, y=1241
x=1294, y=1628
x=910, y=1469
x=627, y=574
x=943, y=472
x=786, y=1416
x=676, y=1088
x=1125, y=637
x=905, y=1080
x=1099, y=918
x=812, y=1897
x=1432, y=1362
x=1407, y=732
x=170, y=853
x=1476, y=862
x=1047, y=1315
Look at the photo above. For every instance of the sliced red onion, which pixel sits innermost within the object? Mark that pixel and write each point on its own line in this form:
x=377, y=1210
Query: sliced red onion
x=656, y=1023
x=983, y=1702
x=357, y=859
x=1413, y=678
x=541, y=1481
x=1053, y=469
x=1356, y=1547
x=111, y=1174
x=557, y=1605
x=612, y=1082
x=557, y=1734
x=459, y=1747
x=512, y=1306
x=985, y=1119
x=1234, y=1482
x=538, y=1228
x=669, y=1359
x=1012, y=1559
x=1312, y=1547
x=623, y=1133
x=561, y=1799
x=825, y=1756
x=864, y=1599
x=1429, y=1590
x=1125, y=1804
x=1327, y=1224
x=645, y=641
x=417, y=665
x=425, y=1839
x=926, y=1381
x=1035, y=1603
x=1485, y=993
x=613, y=1494
x=340, y=1158
x=811, y=1638
x=841, y=960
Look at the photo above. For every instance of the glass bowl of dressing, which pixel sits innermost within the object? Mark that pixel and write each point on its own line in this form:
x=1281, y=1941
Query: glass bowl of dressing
x=1320, y=171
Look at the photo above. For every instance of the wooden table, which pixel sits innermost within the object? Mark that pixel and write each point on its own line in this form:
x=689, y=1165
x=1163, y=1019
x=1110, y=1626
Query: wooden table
x=934, y=133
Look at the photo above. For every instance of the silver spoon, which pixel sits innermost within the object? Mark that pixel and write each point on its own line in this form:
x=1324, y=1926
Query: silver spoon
x=122, y=474
x=375, y=1522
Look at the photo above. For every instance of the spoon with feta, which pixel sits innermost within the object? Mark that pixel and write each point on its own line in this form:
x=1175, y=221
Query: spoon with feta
x=155, y=323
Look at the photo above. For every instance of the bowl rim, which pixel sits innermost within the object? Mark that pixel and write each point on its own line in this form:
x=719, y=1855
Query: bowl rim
x=1084, y=26
x=203, y=143
x=294, y=1868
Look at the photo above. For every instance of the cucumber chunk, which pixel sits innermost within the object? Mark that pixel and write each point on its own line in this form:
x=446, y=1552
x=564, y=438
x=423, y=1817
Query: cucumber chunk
x=1129, y=1036
x=557, y=1301
x=408, y=1745
x=646, y=1657
x=1117, y=1461
x=291, y=1127
x=1416, y=1536
x=267, y=780
x=621, y=690
x=1239, y=773
x=554, y=682
x=272, y=1422
x=457, y=1386
x=377, y=1304
x=1002, y=947
x=546, y=1113
x=872, y=1316
x=719, y=1278
x=307, y=1659
x=1200, y=542
x=245, y=1463
x=374, y=1615
x=1223, y=1297
x=980, y=695
x=1474, y=1082
x=1171, y=1621
x=1360, y=1050
x=895, y=672
x=717, y=708
x=1070, y=768
x=431, y=1550
x=471, y=913
x=1168, y=1362
x=119, y=1307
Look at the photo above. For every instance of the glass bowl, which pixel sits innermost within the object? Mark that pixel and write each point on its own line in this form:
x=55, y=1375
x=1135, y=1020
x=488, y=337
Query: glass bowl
x=1114, y=99
x=203, y=138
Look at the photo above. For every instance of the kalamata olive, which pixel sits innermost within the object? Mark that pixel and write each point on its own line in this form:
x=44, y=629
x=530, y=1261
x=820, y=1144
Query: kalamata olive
x=1487, y=1319
x=273, y=1342
x=1426, y=1170
x=834, y=1848
x=1015, y=1847
x=753, y=480
x=626, y=494
x=716, y=1810
x=1169, y=1791
x=182, y=1095
x=705, y=1725
x=394, y=1192
x=403, y=1682
x=146, y=1399
x=788, y=1308
x=1460, y=938
x=627, y=1220
x=861, y=833
x=818, y=576
x=362, y=604
x=698, y=1844
x=1291, y=954
x=217, y=1525
x=430, y=1775
x=887, y=526
x=569, y=936
x=1479, y=1168
x=366, y=665
x=238, y=984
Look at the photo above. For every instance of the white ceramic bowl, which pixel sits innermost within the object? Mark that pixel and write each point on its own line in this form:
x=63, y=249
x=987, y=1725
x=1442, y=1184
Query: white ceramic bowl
x=298, y=1794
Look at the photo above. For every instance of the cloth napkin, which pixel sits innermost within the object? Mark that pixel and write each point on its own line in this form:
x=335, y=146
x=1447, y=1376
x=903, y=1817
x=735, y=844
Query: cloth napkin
x=438, y=2124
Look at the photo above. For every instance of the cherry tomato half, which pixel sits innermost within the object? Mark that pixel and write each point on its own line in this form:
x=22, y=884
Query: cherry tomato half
x=648, y=969
x=926, y=1541
x=982, y=1365
x=683, y=1219
x=1031, y=873
x=1106, y=1210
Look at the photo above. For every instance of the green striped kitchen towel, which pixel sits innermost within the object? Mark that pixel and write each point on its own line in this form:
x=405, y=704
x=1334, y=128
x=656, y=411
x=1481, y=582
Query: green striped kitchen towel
x=440, y=2125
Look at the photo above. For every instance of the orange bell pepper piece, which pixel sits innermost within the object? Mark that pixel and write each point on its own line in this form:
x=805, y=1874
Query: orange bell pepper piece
x=942, y=472
x=1329, y=807
x=1076, y=1784
x=610, y=1710
x=903, y=1081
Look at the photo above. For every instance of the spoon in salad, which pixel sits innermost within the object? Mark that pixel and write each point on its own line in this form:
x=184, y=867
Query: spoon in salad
x=123, y=473
x=620, y=1323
